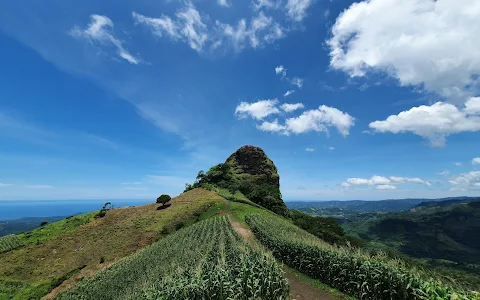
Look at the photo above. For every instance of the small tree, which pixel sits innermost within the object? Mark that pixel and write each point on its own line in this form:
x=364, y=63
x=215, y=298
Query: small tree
x=163, y=199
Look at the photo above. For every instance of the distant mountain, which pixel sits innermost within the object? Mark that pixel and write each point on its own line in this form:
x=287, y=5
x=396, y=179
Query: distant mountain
x=368, y=206
x=439, y=230
x=24, y=224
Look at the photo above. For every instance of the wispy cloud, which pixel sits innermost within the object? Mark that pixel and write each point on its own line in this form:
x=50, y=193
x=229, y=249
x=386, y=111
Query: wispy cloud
x=224, y=3
x=288, y=93
x=309, y=149
x=39, y=186
x=5, y=184
x=195, y=29
x=100, y=31
x=297, y=9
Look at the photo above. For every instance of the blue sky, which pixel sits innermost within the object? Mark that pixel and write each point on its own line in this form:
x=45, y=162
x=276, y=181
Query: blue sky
x=122, y=99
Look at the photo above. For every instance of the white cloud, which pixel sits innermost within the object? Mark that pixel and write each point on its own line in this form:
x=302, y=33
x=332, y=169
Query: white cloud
x=257, y=110
x=258, y=4
x=434, y=122
x=444, y=173
x=5, y=184
x=386, y=187
x=458, y=164
x=395, y=179
x=476, y=161
x=384, y=181
x=319, y=120
x=345, y=184
x=423, y=43
x=309, y=149
x=261, y=30
x=132, y=183
x=100, y=30
x=331, y=148
x=39, y=186
x=297, y=9
x=280, y=70
x=296, y=81
x=188, y=26
x=288, y=93
x=466, y=180
x=272, y=127
x=291, y=107
x=224, y=3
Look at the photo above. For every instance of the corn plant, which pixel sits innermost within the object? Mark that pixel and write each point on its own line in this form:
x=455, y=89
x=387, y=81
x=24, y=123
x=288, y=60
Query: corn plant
x=350, y=271
x=10, y=242
x=207, y=260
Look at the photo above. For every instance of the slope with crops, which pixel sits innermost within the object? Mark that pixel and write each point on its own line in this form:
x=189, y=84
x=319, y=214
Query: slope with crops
x=81, y=245
x=207, y=260
x=350, y=271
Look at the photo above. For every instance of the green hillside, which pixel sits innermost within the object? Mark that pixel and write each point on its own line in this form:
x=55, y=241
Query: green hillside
x=440, y=230
x=226, y=237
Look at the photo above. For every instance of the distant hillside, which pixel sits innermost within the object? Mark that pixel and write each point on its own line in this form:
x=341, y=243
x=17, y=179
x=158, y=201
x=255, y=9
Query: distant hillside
x=440, y=230
x=24, y=224
x=250, y=172
x=368, y=206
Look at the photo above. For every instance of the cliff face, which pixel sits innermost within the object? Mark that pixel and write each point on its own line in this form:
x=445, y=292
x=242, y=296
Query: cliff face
x=257, y=177
x=253, y=161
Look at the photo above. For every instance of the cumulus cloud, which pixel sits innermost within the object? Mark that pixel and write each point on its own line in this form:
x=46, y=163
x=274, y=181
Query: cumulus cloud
x=320, y=120
x=423, y=43
x=382, y=182
x=395, y=179
x=317, y=120
x=280, y=70
x=296, y=81
x=466, y=180
x=257, y=110
x=224, y=3
x=434, y=122
x=386, y=187
x=288, y=93
x=287, y=107
x=476, y=161
x=100, y=31
x=309, y=149
x=297, y=9
x=272, y=127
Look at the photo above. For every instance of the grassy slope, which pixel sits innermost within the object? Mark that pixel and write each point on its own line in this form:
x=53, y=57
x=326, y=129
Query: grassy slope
x=63, y=247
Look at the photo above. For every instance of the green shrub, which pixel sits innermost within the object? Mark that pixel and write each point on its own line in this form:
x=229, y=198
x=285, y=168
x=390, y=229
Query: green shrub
x=10, y=242
x=163, y=199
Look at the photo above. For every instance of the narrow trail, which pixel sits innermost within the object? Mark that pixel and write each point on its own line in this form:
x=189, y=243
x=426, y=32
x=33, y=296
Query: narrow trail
x=299, y=289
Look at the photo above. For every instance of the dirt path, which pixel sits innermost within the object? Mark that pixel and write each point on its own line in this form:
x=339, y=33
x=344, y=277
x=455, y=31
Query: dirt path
x=299, y=289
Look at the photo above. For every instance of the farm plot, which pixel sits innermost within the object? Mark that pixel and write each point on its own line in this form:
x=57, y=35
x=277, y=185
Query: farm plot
x=207, y=260
x=347, y=270
x=9, y=242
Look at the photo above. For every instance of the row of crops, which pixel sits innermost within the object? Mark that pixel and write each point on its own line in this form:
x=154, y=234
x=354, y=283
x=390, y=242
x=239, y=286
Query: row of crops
x=207, y=260
x=349, y=271
x=9, y=242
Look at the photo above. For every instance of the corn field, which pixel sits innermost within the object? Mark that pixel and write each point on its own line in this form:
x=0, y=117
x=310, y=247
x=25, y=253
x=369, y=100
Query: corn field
x=207, y=260
x=9, y=242
x=350, y=271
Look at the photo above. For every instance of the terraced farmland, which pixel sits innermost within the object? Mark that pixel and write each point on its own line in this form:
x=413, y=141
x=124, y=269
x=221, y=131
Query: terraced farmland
x=207, y=260
x=10, y=242
x=351, y=272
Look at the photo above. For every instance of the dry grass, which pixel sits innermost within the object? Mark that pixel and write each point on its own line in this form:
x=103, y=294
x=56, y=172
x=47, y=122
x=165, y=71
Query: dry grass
x=121, y=232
